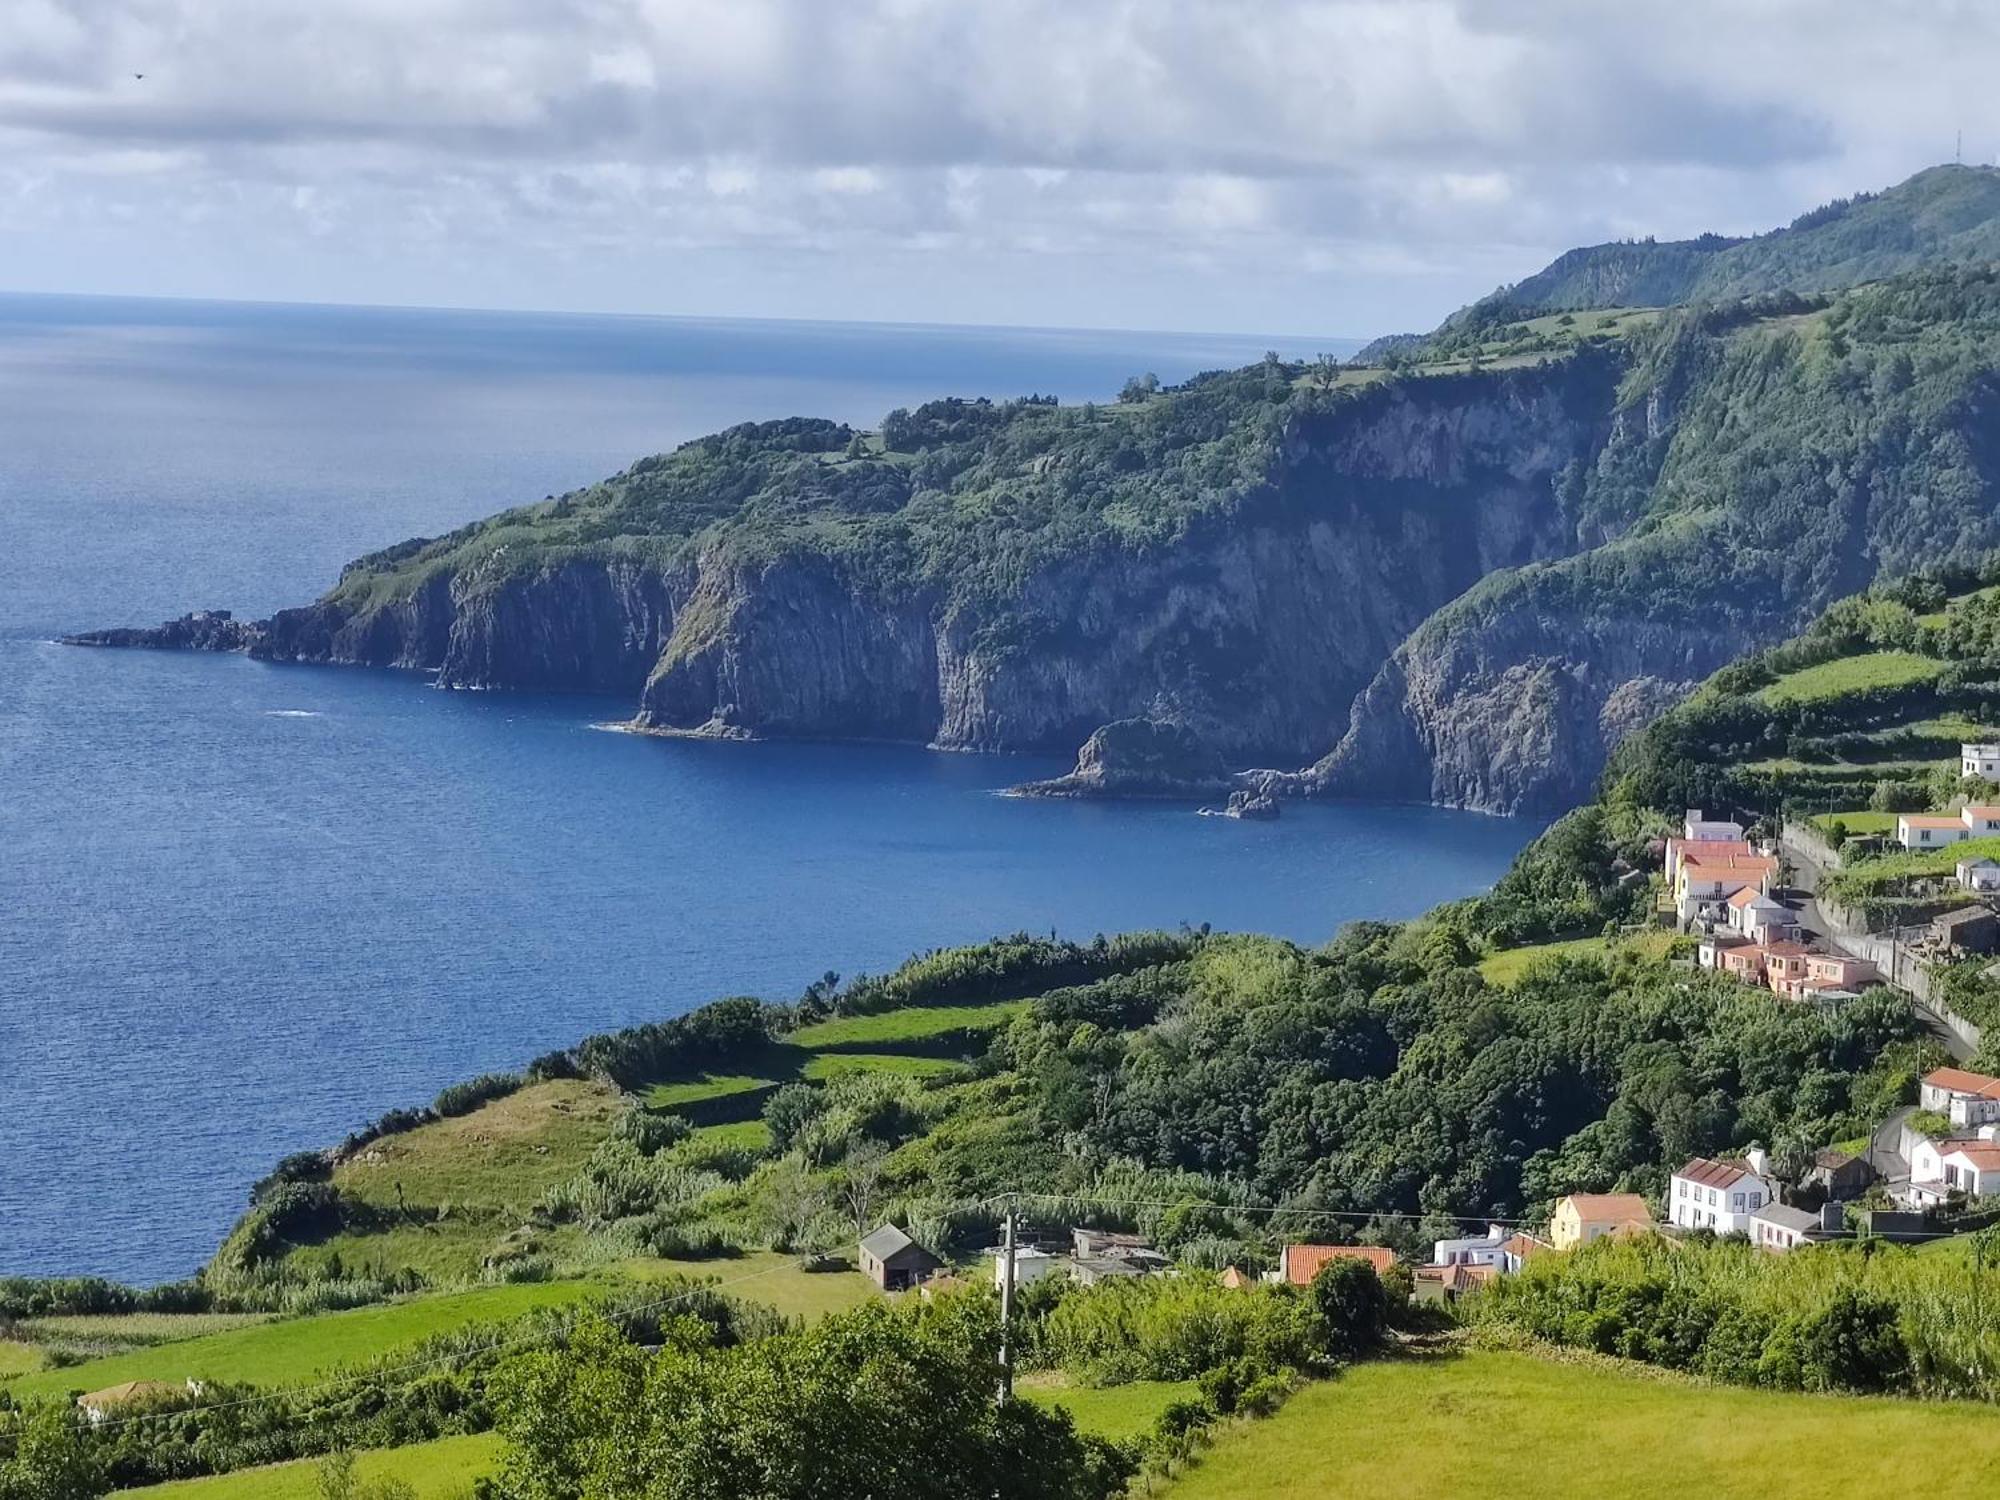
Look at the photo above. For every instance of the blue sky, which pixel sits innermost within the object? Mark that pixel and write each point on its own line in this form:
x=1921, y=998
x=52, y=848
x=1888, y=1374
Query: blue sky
x=1340, y=166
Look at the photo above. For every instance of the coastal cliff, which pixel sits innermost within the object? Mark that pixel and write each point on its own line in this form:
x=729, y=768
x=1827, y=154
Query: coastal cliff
x=1253, y=624
x=1461, y=575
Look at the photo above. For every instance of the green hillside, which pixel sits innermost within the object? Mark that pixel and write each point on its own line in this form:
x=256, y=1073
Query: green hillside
x=1942, y=215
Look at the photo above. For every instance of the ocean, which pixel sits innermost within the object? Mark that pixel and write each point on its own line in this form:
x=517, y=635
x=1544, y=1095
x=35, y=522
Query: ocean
x=245, y=908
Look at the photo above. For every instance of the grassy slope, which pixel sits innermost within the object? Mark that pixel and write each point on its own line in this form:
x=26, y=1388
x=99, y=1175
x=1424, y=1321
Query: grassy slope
x=1118, y=1412
x=434, y=1470
x=1510, y=964
x=297, y=1349
x=1850, y=674
x=768, y=1277
x=1492, y=1423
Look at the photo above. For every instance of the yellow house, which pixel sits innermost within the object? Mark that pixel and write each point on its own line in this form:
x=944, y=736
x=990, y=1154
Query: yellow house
x=1583, y=1217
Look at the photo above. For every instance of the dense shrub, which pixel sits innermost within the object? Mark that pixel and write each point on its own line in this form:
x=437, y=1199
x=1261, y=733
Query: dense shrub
x=464, y=1098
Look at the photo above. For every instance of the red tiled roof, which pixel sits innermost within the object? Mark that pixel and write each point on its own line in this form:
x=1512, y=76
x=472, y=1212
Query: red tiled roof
x=1984, y=1155
x=1959, y=1081
x=1303, y=1262
x=1715, y=1174
x=1931, y=820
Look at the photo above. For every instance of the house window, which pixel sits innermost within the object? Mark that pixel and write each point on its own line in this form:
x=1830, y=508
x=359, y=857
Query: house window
x=1756, y=1201
x=1711, y=1199
x=1736, y=1203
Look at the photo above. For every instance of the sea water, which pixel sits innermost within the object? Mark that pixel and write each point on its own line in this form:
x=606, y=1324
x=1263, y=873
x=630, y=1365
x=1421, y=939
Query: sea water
x=245, y=908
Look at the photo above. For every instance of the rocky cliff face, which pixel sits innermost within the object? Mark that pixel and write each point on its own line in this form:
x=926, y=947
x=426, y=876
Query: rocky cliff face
x=1253, y=630
x=1515, y=714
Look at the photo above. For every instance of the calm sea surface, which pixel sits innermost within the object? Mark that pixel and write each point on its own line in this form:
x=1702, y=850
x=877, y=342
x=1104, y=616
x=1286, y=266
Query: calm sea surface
x=244, y=908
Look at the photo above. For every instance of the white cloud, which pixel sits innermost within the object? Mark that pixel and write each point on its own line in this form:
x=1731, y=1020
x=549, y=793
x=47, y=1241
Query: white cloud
x=1348, y=164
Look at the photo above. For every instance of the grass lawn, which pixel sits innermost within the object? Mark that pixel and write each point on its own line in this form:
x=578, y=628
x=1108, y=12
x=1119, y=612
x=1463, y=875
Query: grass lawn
x=912, y=1024
x=1494, y=1423
x=504, y=1154
x=1860, y=821
x=745, y=1135
x=778, y=1283
x=1510, y=964
x=827, y=1065
x=293, y=1350
x=1852, y=674
x=140, y=1327
x=1118, y=1412
x=18, y=1359
x=436, y=1470
x=1878, y=876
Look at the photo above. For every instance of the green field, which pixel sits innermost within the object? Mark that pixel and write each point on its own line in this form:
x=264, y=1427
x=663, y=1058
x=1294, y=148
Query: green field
x=1444, y=1427
x=1118, y=1412
x=769, y=1277
x=1858, y=822
x=18, y=1359
x=1874, y=877
x=1852, y=674
x=297, y=1349
x=435, y=1471
x=1508, y=965
x=914, y=1023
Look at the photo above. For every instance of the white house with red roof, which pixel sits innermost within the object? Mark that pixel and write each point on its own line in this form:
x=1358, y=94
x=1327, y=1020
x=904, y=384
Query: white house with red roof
x=1965, y=1098
x=1982, y=820
x=1760, y=918
x=1960, y=1164
x=1720, y=1195
x=1930, y=830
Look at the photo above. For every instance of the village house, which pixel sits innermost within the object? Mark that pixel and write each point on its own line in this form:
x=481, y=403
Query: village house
x=1447, y=1283
x=1708, y=953
x=1720, y=1195
x=894, y=1261
x=1705, y=879
x=1966, y=1099
x=1979, y=760
x=1982, y=820
x=1031, y=1264
x=1118, y=1246
x=1961, y=1164
x=1778, y=1227
x=1837, y=972
x=1930, y=830
x=1759, y=917
x=1235, y=1278
x=97, y=1405
x=1969, y=929
x=1583, y=1217
x=1785, y=968
x=1471, y=1250
x=1979, y=874
x=1838, y=1176
x=1299, y=1264
x=1091, y=1270
x=1519, y=1249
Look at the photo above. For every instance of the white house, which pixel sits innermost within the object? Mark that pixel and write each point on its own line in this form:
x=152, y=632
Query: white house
x=1930, y=830
x=1981, y=819
x=1962, y=1164
x=1720, y=1195
x=1697, y=829
x=1778, y=1227
x=1966, y=1099
x=1031, y=1264
x=1979, y=874
x=1488, y=1249
x=1760, y=918
x=1979, y=760
x=1705, y=878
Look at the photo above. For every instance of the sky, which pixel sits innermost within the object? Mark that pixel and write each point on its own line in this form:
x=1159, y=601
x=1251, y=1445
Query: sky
x=1348, y=167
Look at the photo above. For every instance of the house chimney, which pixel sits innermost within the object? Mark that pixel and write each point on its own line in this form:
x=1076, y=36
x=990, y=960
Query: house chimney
x=1756, y=1160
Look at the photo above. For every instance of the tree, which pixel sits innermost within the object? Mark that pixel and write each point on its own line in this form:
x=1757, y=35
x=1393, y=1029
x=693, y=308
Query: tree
x=50, y=1461
x=861, y=1181
x=1352, y=1307
x=1140, y=387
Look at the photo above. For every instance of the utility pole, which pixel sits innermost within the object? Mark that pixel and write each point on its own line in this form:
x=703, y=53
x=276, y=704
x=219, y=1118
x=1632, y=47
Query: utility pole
x=1007, y=1310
